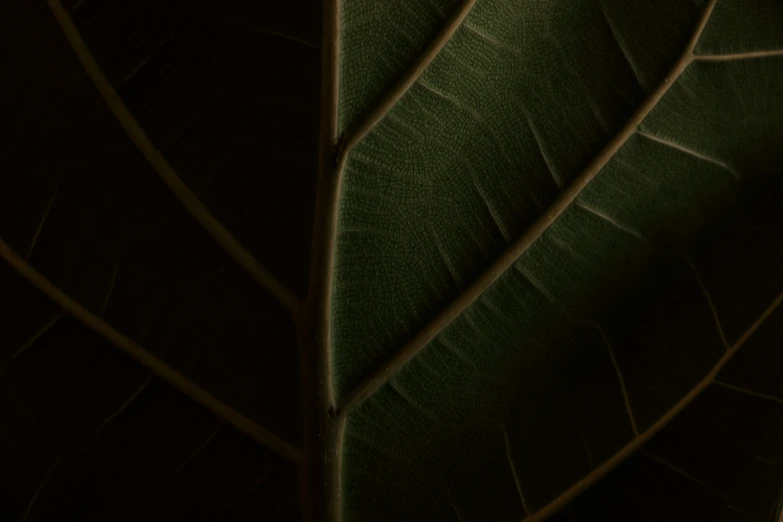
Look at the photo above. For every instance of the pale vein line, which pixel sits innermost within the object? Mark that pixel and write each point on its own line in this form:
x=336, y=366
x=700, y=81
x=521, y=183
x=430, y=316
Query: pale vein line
x=611, y=220
x=154, y=364
x=451, y=99
x=166, y=172
x=535, y=284
x=547, y=161
x=401, y=357
x=569, y=250
x=43, y=219
x=416, y=407
x=490, y=208
x=452, y=503
x=41, y=488
x=481, y=34
x=690, y=152
x=759, y=458
x=443, y=253
x=144, y=62
x=605, y=125
x=639, y=441
x=514, y=470
x=281, y=35
x=737, y=56
x=467, y=361
x=620, y=379
x=695, y=480
x=494, y=41
x=117, y=412
x=584, y=442
x=581, y=435
x=31, y=341
x=711, y=304
x=198, y=450
x=679, y=471
x=739, y=443
x=469, y=164
x=253, y=485
x=627, y=56
x=111, y=287
x=746, y=391
x=738, y=510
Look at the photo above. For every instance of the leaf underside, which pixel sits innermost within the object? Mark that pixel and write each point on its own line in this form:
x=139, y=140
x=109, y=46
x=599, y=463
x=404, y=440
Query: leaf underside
x=556, y=288
x=609, y=312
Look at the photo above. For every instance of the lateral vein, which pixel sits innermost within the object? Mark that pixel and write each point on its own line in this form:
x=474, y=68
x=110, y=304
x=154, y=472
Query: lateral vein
x=690, y=152
x=680, y=471
x=150, y=361
x=166, y=172
x=117, y=412
x=620, y=379
x=738, y=56
x=690, y=477
x=198, y=450
x=41, y=487
x=710, y=303
x=640, y=440
x=514, y=470
x=43, y=218
x=612, y=221
x=31, y=341
x=413, y=74
x=746, y=391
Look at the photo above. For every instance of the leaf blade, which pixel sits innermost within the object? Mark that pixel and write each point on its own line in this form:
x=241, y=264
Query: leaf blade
x=659, y=210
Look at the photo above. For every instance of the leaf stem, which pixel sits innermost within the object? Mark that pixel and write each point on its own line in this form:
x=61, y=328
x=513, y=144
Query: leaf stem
x=325, y=447
x=320, y=473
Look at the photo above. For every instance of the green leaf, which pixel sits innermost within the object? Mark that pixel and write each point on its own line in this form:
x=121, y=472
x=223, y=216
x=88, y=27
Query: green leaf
x=364, y=261
x=528, y=205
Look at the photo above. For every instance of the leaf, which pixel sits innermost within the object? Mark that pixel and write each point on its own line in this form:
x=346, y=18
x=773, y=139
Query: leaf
x=473, y=260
